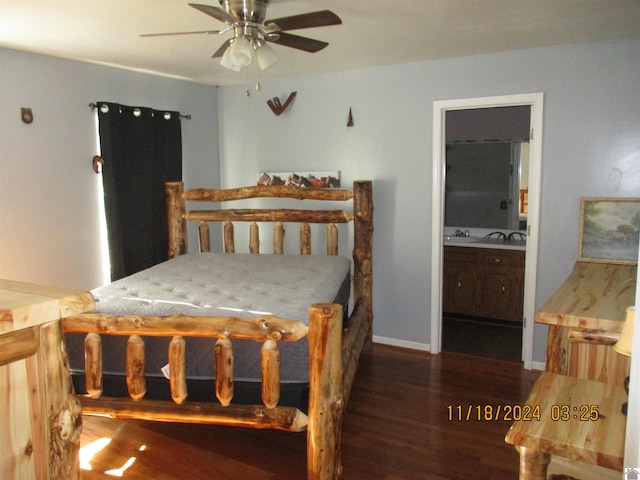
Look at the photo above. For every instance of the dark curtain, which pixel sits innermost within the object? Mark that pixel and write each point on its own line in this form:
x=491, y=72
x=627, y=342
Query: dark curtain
x=141, y=149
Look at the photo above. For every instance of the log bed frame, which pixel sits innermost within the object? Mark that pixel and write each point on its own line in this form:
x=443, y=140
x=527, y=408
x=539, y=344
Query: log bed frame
x=334, y=348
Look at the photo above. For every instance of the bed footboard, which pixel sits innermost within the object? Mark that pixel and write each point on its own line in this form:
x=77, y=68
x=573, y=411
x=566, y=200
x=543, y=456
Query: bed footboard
x=266, y=329
x=323, y=424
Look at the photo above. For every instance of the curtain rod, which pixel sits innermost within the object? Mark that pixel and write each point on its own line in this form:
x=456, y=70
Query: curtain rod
x=93, y=106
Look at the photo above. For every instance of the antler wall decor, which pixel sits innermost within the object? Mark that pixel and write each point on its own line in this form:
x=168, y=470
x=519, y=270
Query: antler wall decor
x=277, y=106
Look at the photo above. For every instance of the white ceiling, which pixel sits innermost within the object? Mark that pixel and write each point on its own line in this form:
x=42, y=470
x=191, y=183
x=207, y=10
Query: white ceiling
x=373, y=33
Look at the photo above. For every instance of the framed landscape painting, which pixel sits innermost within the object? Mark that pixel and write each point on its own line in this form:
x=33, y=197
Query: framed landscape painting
x=609, y=230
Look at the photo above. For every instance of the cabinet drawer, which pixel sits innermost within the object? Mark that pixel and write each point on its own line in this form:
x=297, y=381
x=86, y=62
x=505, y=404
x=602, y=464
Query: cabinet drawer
x=498, y=257
x=467, y=255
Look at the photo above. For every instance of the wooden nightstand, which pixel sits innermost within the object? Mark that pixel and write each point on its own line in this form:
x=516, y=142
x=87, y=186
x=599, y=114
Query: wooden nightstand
x=578, y=419
x=39, y=412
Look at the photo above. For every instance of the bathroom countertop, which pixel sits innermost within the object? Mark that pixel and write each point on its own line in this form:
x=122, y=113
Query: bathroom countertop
x=489, y=243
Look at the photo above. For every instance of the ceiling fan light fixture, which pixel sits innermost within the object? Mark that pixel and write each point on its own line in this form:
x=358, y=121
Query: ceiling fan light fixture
x=226, y=62
x=265, y=54
x=247, y=19
x=240, y=52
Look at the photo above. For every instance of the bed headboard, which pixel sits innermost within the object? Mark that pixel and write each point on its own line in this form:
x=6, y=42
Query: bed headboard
x=178, y=215
x=359, y=210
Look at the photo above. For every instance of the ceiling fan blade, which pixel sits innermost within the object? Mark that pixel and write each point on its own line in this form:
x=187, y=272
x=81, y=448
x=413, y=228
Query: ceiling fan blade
x=306, y=20
x=221, y=50
x=295, y=41
x=206, y=32
x=214, y=12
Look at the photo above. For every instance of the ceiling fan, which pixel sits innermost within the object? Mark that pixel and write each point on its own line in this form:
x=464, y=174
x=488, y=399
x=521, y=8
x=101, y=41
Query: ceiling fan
x=251, y=32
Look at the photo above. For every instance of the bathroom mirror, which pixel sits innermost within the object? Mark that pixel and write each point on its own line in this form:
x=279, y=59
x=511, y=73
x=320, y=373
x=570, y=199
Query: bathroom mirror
x=487, y=157
x=483, y=185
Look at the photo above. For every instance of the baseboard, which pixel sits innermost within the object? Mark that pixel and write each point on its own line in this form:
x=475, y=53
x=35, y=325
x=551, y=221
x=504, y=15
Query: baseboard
x=394, y=342
x=426, y=347
x=538, y=366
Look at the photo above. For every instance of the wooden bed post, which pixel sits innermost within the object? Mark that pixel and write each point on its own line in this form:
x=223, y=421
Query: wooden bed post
x=176, y=222
x=326, y=401
x=363, y=249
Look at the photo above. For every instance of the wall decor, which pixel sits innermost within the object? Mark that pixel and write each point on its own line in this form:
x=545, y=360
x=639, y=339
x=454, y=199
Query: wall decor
x=277, y=106
x=350, y=118
x=320, y=179
x=27, y=115
x=609, y=230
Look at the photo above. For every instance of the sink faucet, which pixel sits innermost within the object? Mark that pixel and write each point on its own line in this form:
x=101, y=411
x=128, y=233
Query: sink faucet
x=498, y=235
x=517, y=236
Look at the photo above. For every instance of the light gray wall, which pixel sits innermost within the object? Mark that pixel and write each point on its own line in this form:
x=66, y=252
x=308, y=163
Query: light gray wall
x=591, y=147
x=49, y=230
x=48, y=221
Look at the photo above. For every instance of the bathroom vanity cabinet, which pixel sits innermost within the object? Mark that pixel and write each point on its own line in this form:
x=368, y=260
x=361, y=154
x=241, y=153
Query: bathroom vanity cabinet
x=484, y=282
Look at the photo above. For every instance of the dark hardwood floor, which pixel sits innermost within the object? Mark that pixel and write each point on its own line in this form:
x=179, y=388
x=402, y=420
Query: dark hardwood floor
x=482, y=337
x=398, y=426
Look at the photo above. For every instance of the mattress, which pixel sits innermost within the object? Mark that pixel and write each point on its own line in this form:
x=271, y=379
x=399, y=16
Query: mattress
x=216, y=284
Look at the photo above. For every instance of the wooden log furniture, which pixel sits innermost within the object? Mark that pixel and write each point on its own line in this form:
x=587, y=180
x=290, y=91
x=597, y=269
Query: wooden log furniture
x=39, y=412
x=572, y=418
x=579, y=397
x=585, y=317
x=334, y=348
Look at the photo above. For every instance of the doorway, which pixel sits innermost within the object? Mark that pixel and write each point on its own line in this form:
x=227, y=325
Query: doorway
x=535, y=102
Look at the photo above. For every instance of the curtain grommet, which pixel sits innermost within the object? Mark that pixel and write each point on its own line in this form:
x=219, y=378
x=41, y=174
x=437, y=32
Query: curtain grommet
x=97, y=163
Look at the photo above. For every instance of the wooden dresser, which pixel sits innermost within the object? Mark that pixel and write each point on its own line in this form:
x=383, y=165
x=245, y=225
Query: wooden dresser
x=39, y=412
x=585, y=317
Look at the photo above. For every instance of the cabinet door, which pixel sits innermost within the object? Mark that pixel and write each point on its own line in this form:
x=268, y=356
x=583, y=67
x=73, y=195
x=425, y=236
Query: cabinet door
x=463, y=292
x=518, y=296
x=500, y=280
x=495, y=295
x=446, y=289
